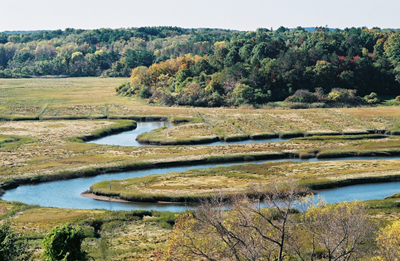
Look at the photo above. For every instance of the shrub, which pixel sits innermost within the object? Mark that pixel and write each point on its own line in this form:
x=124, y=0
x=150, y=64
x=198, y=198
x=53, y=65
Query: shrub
x=372, y=98
x=343, y=95
x=304, y=96
x=145, y=93
x=11, y=248
x=123, y=87
x=317, y=105
x=298, y=105
x=64, y=243
x=167, y=99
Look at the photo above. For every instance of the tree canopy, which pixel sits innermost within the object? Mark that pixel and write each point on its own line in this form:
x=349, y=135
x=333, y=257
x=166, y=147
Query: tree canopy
x=212, y=67
x=262, y=66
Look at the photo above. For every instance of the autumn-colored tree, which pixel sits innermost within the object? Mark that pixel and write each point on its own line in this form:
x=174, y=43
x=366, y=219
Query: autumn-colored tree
x=341, y=229
x=254, y=229
x=268, y=226
x=388, y=241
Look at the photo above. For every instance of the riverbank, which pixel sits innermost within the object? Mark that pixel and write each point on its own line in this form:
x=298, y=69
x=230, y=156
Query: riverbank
x=249, y=157
x=162, y=136
x=41, y=143
x=46, y=131
x=194, y=185
x=103, y=198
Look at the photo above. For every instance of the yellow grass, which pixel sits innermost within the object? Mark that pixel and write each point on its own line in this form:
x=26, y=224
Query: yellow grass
x=51, y=152
x=245, y=178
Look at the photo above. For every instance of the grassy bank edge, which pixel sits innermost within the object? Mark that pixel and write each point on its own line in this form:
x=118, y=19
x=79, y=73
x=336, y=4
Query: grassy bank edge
x=313, y=185
x=90, y=172
x=154, y=138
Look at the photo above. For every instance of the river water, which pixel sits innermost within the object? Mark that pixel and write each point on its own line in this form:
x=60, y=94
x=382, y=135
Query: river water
x=128, y=138
x=67, y=193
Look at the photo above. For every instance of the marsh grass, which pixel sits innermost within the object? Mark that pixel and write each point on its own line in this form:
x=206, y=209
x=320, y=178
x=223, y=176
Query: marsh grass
x=180, y=119
x=192, y=185
x=342, y=137
x=6, y=139
x=11, y=142
x=69, y=106
x=158, y=136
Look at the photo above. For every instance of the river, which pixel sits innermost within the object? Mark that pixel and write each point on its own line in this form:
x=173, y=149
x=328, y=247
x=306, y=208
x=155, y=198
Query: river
x=67, y=193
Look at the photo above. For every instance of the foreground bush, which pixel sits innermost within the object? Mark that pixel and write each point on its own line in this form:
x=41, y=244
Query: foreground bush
x=268, y=227
x=64, y=243
x=11, y=247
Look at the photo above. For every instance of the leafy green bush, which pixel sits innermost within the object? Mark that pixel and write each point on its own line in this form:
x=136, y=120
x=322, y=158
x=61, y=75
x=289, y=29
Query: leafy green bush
x=343, y=95
x=302, y=96
x=123, y=87
x=11, y=247
x=372, y=98
x=144, y=93
x=64, y=243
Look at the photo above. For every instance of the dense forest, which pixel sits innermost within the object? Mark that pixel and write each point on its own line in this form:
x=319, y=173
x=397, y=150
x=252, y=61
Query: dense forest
x=214, y=67
x=102, y=52
x=260, y=66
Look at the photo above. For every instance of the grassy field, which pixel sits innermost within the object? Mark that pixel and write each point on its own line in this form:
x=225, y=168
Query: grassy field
x=228, y=124
x=49, y=149
x=69, y=97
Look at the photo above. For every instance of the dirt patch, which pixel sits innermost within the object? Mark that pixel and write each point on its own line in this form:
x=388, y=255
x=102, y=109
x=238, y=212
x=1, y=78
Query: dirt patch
x=103, y=198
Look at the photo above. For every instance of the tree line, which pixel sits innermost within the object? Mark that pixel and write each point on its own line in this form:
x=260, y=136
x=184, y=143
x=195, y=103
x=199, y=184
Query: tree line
x=100, y=52
x=257, y=67
x=213, y=67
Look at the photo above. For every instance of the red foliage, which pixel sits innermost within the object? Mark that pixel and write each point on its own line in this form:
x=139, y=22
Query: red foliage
x=355, y=58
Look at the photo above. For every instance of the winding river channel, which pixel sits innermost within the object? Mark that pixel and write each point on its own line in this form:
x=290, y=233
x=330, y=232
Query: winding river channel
x=67, y=193
x=128, y=138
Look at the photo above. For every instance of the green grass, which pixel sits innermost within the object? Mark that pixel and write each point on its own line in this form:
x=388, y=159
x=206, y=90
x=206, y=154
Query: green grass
x=11, y=142
x=180, y=119
x=5, y=139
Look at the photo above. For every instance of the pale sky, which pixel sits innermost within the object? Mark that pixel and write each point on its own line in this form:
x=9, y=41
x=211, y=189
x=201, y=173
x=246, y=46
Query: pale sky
x=227, y=14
